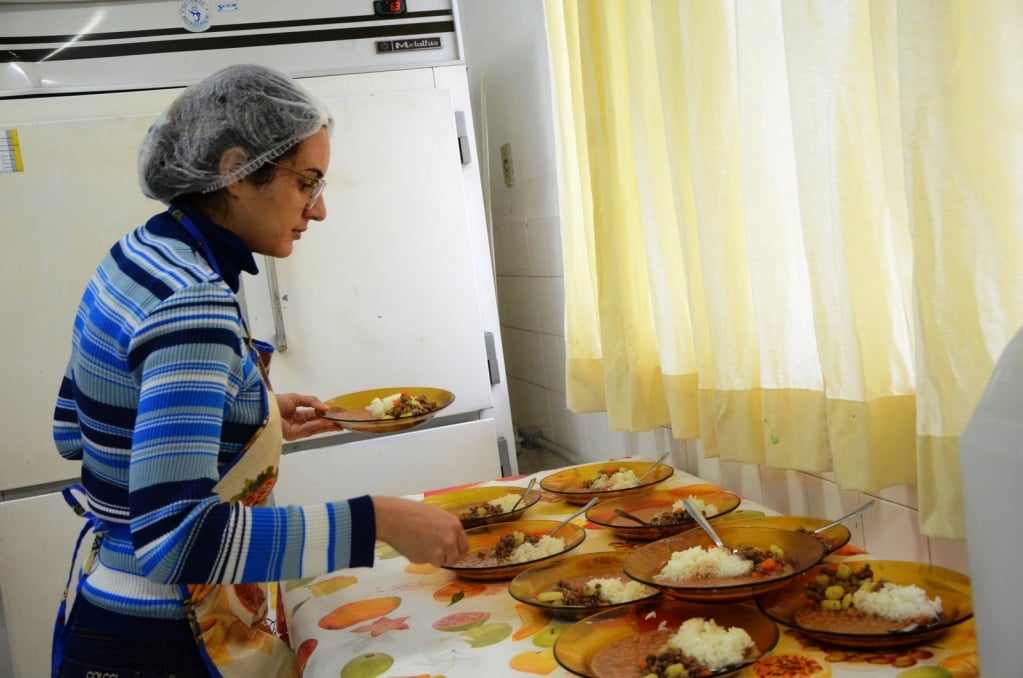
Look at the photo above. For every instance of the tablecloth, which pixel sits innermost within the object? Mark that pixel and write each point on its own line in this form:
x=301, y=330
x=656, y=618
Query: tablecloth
x=402, y=620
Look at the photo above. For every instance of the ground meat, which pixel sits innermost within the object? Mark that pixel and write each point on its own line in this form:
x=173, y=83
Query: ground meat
x=657, y=664
x=670, y=517
x=480, y=510
x=508, y=542
x=574, y=595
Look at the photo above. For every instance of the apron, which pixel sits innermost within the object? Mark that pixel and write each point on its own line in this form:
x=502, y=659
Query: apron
x=233, y=625
x=232, y=622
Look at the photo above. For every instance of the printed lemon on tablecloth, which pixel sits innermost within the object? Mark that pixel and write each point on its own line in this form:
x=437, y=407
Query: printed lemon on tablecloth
x=540, y=662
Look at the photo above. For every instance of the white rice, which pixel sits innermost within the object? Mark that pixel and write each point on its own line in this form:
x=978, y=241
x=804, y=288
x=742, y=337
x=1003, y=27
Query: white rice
x=547, y=546
x=379, y=407
x=616, y=591
x=697, y=562
x=621, y=479
x=505, y=502
x=712, y=645
x=700, y=505
x=898, y=603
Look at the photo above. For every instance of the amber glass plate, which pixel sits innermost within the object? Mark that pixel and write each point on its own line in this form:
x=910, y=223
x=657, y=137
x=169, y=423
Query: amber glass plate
x=834, y=538
x=485, y=538
x=646, y=505
x=580, y=643
x=527, y=585
x=460, y=501
x=952, y=587
x=350, y=411
x=802, y=552
x=568, y=484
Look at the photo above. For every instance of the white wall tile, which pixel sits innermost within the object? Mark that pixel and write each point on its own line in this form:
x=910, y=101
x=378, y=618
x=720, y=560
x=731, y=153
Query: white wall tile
x=510, y=241
x=549, y=299
x=825, y=499
x=891, y=533
x=516, y=303
x=523, y=356
x=950, y=553
x=544, y=238
x=783, y=491
x=553, y=348
x=743, y=479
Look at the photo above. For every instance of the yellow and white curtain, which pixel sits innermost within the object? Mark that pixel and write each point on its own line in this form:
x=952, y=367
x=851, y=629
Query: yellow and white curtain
x=793, y=229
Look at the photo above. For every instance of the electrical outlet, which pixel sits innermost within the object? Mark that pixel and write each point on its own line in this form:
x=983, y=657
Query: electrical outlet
x=507, y=166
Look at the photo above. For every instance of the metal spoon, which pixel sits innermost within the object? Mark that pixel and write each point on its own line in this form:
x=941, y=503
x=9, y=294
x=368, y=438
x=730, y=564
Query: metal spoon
x=653, y=466
x=629, y=516
x=697, y=515
x=532, y=481
x=575, y=515
x=847, y=516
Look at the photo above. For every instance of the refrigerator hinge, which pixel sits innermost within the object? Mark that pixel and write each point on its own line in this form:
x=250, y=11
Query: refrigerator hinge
x=463, y=138
x=504, y=456
x=492, y=364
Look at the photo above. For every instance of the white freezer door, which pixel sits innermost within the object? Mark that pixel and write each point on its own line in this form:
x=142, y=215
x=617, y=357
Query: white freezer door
x=384, y=292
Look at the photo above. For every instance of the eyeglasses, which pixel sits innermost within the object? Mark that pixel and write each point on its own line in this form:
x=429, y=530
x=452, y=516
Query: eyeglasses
x=312, y=183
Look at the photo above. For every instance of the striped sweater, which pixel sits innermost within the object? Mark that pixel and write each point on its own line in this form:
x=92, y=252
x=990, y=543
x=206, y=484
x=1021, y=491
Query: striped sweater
x=160, y=395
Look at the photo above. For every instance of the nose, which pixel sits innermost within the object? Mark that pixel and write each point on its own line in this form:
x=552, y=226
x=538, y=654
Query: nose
x=318, y=211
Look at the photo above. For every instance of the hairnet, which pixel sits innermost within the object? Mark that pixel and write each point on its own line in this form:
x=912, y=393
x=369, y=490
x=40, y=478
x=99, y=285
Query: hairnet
x=255, y=109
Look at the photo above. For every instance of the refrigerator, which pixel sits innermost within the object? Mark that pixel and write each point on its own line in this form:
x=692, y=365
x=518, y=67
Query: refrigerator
x=394, y=288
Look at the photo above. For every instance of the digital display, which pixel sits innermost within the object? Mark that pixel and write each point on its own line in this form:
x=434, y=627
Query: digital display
x=389, y=7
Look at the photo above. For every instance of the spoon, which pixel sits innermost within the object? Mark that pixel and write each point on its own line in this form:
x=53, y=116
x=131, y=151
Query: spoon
x=629, y=516
x=847, y=516
x=653, y=466
x=697, y=515
x=532, y=481
x=575, y=515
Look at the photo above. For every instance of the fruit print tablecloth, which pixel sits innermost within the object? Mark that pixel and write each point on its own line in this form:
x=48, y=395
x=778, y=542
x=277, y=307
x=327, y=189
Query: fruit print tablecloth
x=402, y=620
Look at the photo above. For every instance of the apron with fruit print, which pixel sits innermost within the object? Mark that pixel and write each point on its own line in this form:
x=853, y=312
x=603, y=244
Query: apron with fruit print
x=232, y=621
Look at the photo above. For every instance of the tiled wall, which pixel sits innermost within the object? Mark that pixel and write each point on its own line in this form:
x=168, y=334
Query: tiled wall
x=505, y=47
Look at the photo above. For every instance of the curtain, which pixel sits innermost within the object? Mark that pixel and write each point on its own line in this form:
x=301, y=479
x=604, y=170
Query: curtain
x=792, y=228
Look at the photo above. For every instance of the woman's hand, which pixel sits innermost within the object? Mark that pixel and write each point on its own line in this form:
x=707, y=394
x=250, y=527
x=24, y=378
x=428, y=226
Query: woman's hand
x=420, y=532
x=300, y=416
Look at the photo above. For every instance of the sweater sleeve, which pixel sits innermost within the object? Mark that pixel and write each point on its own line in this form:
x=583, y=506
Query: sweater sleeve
x=192, y=369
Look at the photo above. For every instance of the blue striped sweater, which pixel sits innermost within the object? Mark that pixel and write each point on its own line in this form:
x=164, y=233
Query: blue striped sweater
x=160, y=395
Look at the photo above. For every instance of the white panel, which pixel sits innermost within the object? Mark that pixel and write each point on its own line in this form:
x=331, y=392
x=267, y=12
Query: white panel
x=384, y=292
x=400, y=464
x=37, y=536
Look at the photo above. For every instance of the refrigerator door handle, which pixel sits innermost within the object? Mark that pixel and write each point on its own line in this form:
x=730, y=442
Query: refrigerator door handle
x=280, y=335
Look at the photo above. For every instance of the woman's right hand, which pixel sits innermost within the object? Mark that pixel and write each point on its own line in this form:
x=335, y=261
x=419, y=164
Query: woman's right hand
x=420, y=532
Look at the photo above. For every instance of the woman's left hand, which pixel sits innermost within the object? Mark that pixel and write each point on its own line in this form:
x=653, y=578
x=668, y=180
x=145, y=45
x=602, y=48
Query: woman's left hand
x=300, y=416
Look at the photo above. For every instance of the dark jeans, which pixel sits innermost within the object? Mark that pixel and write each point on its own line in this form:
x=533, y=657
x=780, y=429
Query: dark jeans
x=91, y=653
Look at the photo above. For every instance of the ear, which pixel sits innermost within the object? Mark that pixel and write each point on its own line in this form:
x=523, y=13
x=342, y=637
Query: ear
x=231, y=160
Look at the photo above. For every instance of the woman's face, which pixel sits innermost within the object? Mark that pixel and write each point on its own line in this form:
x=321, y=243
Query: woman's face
x=270, y=217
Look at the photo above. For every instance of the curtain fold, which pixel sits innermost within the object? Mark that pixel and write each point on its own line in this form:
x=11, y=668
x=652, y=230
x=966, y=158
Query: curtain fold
x=791, y=228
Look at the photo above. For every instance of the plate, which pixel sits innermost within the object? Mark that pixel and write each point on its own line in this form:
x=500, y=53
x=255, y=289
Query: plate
x=485, y=538
x=801, y=551
x=578, y=644
x=645, y=505
x=953, y=587
x=459, y=501
x=834, y=538
x=568, y=484
x=527, y=585
x=350, y=411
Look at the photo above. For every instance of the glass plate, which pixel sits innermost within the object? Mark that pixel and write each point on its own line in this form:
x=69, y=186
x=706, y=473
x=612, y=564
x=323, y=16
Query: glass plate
x=568, y=484
x=485, y=538
x=527, y=585
x=459, y=501
x=578, y=645
x=645, y=505
x=802, y=552
x=952, y=587
x=834, y=538
x=350, y=411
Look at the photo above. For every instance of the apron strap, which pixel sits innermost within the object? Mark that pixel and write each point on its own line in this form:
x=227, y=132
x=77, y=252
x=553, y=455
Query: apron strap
x=92, y=523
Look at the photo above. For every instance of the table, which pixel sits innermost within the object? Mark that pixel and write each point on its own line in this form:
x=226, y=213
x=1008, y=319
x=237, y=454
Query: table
x=418, y=621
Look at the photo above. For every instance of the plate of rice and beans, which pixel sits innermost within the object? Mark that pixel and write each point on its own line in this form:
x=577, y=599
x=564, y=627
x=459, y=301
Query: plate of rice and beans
x=661, y=637
x=605, y=480
x=872, y=603
x=689, y=566
x=577, y=586
x=386, y=410
x=662, y=510
x=477, y=506
x=503, y=550
x=833, y=538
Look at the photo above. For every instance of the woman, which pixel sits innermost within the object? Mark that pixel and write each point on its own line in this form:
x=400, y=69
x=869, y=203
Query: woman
x=165, y=404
